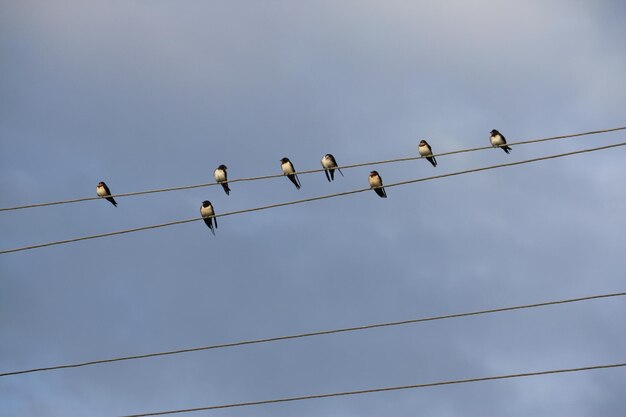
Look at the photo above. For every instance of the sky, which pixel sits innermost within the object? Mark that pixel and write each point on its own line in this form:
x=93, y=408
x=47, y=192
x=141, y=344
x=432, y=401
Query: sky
x=151, y=94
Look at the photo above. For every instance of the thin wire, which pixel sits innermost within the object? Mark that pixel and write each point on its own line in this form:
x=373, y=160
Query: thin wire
x=305, y=200
x=264, y=177
x=318, y=333
x=385, y=389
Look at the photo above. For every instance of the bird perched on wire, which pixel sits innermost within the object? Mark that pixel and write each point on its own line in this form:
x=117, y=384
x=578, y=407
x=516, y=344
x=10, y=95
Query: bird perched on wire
x=103, y=191
x=207, y=213
x=290, y=172
x=498, y=140
x=330, y=164
x=426, y=151
x=221, y=176
x=376, y=183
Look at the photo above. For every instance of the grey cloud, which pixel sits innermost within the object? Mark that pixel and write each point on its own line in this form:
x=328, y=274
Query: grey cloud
x=144, y=95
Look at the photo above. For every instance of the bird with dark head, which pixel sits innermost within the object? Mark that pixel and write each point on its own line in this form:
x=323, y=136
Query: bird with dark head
x=376, y=183
x=221, y=177
x=290, y=172
x=426, y=152
x=207, y=213
x=103, y=191
x=330, y=164
x=498, y=141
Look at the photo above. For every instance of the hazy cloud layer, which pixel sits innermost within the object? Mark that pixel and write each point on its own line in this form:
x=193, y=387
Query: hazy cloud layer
x=152, y=94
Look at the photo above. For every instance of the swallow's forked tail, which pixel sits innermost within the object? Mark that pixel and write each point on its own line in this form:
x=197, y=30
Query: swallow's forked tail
x=381, y=192
x=296, y=181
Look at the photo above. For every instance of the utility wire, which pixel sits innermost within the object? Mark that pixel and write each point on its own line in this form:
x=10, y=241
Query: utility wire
x=372, y=390
x=264, y=177
x=318, y=333
x=305, y=200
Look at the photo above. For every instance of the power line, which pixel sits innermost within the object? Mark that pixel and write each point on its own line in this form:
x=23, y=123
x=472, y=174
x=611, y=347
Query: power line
x=385, y=389
x=318, y=333
x=264, y=177
x=306, y=200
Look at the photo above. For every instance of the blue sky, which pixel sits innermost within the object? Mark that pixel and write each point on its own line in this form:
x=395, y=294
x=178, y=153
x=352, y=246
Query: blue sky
x=153, y=94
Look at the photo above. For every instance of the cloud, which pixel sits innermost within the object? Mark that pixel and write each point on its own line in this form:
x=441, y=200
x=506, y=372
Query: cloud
x=144, y=95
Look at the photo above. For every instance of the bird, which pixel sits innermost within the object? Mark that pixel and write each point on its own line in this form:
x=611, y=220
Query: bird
x=207, y=213
x=103, y=191
x=498, y=140
x=290, y=172
x=220, y=176
x=330, y=164
x=426, y=151
x=376, y=183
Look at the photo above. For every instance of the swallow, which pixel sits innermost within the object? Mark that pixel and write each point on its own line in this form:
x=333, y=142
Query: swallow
x=376, y=183
x=290, y=172
x=220, y=176
x=498, y=140
x=330, y=164
x=207, y=213
x=426, y=151
x=103, y=191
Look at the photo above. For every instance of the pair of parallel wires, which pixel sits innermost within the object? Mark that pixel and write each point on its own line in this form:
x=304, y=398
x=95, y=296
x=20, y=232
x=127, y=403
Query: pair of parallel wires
x=345, y=330
x=311, y=199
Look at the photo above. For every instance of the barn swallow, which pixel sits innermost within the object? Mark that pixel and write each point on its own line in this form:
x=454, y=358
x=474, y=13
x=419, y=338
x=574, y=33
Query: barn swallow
x=376, y=183
x=498, y=140
x=220, y=176
x=103, y=191
x=207, y=213
x=329, y=164
x=290, y=172
x=426, y=151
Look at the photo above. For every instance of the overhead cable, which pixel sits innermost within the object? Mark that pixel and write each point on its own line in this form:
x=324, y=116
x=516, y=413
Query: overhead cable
x=264, y=177
x=385, y=389
x=306, y=200
x=312, y=334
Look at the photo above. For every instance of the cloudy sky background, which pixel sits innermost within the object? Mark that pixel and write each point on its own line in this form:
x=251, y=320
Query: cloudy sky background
x=154, y=94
